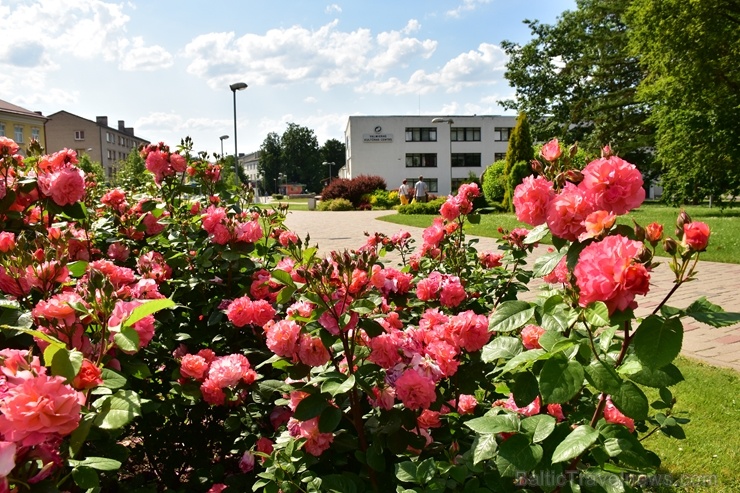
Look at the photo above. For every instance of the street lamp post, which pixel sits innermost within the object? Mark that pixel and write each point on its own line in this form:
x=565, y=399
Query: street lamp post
x=222, y=138
x=237, y=86
x=330, y=164
x=449, y=121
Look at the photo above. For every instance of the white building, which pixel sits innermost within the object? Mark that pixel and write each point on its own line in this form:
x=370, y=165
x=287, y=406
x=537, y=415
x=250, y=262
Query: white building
x=406, y=147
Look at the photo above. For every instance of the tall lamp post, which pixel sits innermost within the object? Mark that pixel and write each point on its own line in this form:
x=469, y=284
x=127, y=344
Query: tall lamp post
x=330, y=164
x=237, y=86
x=222, y=138
x=449, y=121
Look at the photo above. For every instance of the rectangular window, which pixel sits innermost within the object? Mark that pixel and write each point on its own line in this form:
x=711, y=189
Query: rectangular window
x=466, y=160
x=18, y=134
x=499, y=156
x=111, y=154
x=431, y=183
x=424, y=134
x=501, y=134
x=35, y=134
x=2, y=130
x=465, y=134
x=456, y=182
x=421, y=160
x=79, y=135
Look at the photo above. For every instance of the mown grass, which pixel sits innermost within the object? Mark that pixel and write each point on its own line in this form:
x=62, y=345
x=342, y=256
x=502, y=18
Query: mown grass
x=710, y=397
x=724, y=244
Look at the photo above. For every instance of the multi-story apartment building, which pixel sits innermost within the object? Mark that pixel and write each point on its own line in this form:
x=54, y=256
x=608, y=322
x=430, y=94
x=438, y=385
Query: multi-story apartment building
x=107, y=145
x=250, y=164
x=21, y=125
x=444, y=152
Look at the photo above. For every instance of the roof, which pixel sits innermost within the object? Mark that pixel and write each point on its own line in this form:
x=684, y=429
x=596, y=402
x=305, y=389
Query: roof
x=12, y=108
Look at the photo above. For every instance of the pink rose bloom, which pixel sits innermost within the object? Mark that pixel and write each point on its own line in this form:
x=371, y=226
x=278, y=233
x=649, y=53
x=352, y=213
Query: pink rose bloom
x=531, y=199
x=248, y=232
x=282, y=337
x=288, y=238
x=614, y=415
x=429, y=419
x=597, y=224
x=466, y=404
x=212, y=393
x=46, y=275
x=227, y=371
x=560, y=274
x=8, y=146
x=157, y=163
x=427, y=288
x=567, y=211
x=39, y=407
x=614, y=184
x=145, y=329
x=556, y=411
x=300, y=309
x=118, y=252
x=316, y=442
x=468, y=331
x=246, y=463
x=551, y=151
x=7, y=241
x=243, y=311
x=7, y=450
x=444, y=356
x=434, y=233
x=384, y=350
x=450, y=210
x=452, y=293
x=221, y=234
x=58, y=308
x=530, y=410
x=531, y=336
x=696, y=235
x=217, y=488
x=383, y=398
x=14, y=282
x=213, y=216
x=489, y=260
x=194, y=366
x=414, y=390
x=654, y=233
x=606, y=271
x=178, y=162
x=67, y=186
x=312, y=352
x=88, y=377
x=151, y=224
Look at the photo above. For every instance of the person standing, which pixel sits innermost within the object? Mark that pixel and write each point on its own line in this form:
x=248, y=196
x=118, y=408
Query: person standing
x=403, y=193
x=420, y=190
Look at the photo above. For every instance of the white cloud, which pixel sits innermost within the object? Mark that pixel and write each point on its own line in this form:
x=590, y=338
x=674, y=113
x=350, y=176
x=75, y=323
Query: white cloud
x=158, y=123
x=327, y=56
x=330, y=9
x=465, y=6
x=310, y=100
x=138, y=57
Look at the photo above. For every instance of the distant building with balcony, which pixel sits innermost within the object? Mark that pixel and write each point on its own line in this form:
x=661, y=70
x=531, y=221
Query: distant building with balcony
x=21, y=125
x=406, y=147
x=109, y=146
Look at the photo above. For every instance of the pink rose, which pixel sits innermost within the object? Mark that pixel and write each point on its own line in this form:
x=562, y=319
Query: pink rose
x=282, y=337
x=246, y=463
x=696, y=235
x=551, y=151
x=614, y=415
x=452, y=293
x=597, y=224
x=531, y=199
x=531, y=336
x=8, y=146
x=567, y=211
x=414, y=390
x=38, y=407
x=194, y=366
x=450, y=210
x=466, y=404
x=227, y=371
x=7, y=241
x=88, y=377
x=614, y=184
x=7, y=449
x=67, y=185
x=312, y=352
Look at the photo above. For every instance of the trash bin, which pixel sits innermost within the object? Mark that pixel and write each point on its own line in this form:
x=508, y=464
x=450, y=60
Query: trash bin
x=312, y=203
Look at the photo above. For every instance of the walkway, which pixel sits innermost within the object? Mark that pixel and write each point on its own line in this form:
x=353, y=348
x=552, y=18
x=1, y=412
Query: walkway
x=720, y=283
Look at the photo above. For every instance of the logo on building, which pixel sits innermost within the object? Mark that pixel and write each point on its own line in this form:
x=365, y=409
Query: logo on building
x=377, y=137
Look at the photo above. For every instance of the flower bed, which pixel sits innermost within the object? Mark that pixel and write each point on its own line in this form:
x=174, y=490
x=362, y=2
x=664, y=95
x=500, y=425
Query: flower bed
x=183, y=340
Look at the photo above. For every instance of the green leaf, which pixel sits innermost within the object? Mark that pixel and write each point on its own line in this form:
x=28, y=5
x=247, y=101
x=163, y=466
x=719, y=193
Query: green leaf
x=556, y=316
x=362, y=306
x=127, y=340
x=310, y=407
x=502, y=423
x=525, y=388
x=484, y=447
x=631, y=401
x=334, y=387
x=330, y=419
x=597, y=314
x=525, y=359
x=283, y=277
x=64, y=362
x=516, y=455
x=78, y=437
x=560, y=380
x=501, y=347
x=425, y=471
x=78, y=268
x=510, y=315
x=539, y=426
x=117, y=410
x=706, y=312
x=546, y=263
x=667, y=376
x=473, y=218
x=99, y=463
x=603, y=377
x=657, y=342
x=577, y=442
x=284, y=295
x=406, y=472
x=536, y=234
x=147, y=308
x=610, y=483
x=85, y=477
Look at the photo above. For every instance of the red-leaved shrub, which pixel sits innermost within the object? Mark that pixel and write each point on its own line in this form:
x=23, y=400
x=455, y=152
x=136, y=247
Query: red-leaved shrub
x=354, y=189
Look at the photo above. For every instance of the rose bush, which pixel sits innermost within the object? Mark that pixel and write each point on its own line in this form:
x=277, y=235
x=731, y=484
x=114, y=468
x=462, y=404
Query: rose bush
x=184, y=341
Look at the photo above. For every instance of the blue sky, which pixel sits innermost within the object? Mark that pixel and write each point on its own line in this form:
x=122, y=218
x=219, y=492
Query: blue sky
x=164, y=66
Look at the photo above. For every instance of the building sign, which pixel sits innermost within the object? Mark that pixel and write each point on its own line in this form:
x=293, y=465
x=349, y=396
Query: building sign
x=372, y=138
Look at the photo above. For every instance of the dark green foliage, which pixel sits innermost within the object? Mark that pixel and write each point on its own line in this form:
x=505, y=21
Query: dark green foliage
x=494, y=182
x=520, y=149
x=333, y=151
x=354, y=189
x=270, y=161
x=133, y=174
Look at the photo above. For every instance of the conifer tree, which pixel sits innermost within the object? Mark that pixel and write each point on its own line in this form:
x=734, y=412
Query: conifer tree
x=520, y=150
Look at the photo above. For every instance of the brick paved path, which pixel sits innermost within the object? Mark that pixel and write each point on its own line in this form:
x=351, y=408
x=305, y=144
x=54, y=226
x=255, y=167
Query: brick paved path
x=720, y=283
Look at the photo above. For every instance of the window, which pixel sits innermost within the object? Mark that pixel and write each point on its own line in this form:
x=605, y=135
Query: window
x=499, y=156
x=79, y=135
x=421, y=160
x=421, y=134
x=2, y=130
x=110, y=138
x=35, y=134
x=456, y=182
x=470, y=134
x=111, y=154
x=18, y=134
x=466, y=160
x=501, y=134
x=431, y=183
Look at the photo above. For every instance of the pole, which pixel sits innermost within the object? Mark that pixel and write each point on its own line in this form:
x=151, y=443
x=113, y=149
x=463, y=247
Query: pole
x=236, y=155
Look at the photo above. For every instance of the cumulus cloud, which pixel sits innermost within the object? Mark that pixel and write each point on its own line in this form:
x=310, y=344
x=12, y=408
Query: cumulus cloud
x=333, y=8
x=466, y=6
x=138, y=57
x=173, y=122
x=327, y=56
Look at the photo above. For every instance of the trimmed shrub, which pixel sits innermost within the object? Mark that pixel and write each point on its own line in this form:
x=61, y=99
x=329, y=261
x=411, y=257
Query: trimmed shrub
x=336, y=205
x=383, y=199
x=494, y=182
x=354, y=189
x=431, y=207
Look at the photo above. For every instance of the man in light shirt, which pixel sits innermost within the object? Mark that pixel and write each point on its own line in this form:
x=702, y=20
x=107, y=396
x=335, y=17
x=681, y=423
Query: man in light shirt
x=420, y=190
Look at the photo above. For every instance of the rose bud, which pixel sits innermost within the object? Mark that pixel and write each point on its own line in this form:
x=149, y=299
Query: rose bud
x=606, y=151
x=639, y=232
x=683, y=218
x=654, y=233
x=644, y=256
x=574, y=176
x=696, y=235
x=536, y=166
x=670, y=246
x=572, y=150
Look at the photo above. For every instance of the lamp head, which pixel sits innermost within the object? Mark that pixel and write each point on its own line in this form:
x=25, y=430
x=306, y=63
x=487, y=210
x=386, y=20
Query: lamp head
x=238, y=86
x=224, y=137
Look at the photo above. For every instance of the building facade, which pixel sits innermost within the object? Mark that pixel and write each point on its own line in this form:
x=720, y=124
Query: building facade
x=21, y=125
x=406, y=147
x=107, y=145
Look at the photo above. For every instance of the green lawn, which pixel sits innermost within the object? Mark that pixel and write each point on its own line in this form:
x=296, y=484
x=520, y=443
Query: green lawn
x=724, y=244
